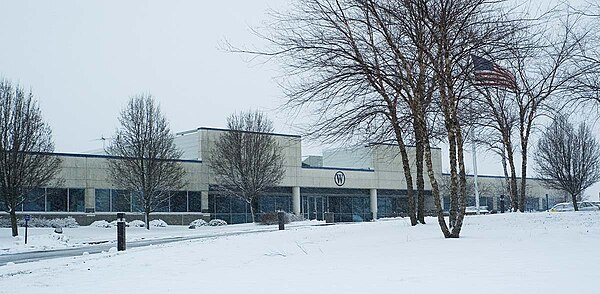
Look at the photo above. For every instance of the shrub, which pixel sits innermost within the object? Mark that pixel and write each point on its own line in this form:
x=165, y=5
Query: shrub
x=35, y=222
x=271, y=218
x=294, y=218
x=158, y=223
x=101, y=224
x=198, y=223
x=217, y=222
x=136, y=224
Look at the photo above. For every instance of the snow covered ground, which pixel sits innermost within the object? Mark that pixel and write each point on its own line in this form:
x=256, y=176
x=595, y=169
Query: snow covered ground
x=509, y=253
x=45, y=239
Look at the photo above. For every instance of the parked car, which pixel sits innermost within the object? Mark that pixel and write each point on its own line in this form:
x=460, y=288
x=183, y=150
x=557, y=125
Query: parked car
x=568, y=206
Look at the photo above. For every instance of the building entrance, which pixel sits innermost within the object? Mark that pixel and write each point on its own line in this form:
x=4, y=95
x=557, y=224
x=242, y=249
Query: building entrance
x=315, y=207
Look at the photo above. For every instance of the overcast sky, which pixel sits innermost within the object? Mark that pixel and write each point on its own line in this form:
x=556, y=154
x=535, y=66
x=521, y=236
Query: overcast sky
x=83, y=59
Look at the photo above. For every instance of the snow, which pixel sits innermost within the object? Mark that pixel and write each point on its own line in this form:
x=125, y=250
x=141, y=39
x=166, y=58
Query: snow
x=105, y=232
x=502, y=253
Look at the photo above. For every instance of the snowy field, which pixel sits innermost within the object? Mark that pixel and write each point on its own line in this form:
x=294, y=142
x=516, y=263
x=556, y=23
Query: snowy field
x=509, y=253
x=45, y=239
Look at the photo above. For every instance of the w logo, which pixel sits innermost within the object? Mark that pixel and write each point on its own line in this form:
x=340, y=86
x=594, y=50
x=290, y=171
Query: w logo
x=339, y=178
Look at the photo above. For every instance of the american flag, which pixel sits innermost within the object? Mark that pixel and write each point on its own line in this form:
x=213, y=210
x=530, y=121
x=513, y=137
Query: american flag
x=489, y=74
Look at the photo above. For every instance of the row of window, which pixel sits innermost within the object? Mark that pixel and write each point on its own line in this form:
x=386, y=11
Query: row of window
x=348, y=205
x=531, y=203
x=110, y=200
x=55, y=200
x=234, y=210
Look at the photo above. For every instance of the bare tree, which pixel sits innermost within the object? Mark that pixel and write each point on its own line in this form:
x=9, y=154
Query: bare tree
x=340, y=69
x=372, y=69
x=499, y=121
x=26, y=144
x=568, y=159
x=459, y=29
x=547, y=65
x=247, y=160
x=146, y=157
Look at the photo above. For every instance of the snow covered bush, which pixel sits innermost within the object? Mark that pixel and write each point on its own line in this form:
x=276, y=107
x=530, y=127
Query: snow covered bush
x=136, y=224
x=198, y=223
x=101, y=224
x=271, y=218
x=294, y=218
x=35, y=222
x=158, y=223
x=217, y=222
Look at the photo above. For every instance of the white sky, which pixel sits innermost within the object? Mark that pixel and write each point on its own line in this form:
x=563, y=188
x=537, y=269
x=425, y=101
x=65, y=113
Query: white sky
x=83, y=59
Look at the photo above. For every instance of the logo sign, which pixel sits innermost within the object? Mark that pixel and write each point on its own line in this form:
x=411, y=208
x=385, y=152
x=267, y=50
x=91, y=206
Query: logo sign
x=339, y=178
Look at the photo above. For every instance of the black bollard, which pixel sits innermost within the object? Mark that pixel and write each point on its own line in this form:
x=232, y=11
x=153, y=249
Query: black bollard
x=121, y=231
x=281, y=219
x=27, y=219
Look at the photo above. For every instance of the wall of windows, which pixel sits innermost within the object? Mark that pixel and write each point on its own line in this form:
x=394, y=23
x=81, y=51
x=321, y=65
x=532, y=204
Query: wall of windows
x=55, y=200
x=531, y=203
x=347, y=205
x=234, y=210
x=111, y=200
x=391, y=203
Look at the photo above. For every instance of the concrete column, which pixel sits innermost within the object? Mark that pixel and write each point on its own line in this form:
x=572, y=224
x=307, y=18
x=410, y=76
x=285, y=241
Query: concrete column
x=495, y=203
x=373, y=193
x=296, y=200
x=90, y=199
x=204, y=201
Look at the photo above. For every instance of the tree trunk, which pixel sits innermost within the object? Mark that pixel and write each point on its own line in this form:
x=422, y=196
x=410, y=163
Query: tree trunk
x=420, y=181
x=13, y=222
x=407, y=173
x=574, y=199
x=435, y=190
x=453, y=178
x=523, y=178
x=147, y=218
x=462, y=181
x=409, y=186
x=254, y=208
x=513, y=174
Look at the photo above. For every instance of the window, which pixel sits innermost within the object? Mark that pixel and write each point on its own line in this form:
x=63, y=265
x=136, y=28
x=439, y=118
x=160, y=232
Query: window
x=179, y=201
x=76, y=200
x=56, y=199
x=36, y=200
x=102, y=200
x=194, y=201
x=136, y=202
x=121, y=201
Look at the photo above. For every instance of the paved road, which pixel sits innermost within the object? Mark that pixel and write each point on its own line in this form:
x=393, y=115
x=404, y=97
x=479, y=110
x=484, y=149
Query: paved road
x=98, y=248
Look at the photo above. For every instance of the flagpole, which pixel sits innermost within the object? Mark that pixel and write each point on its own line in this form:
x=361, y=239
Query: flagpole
x=475, y=174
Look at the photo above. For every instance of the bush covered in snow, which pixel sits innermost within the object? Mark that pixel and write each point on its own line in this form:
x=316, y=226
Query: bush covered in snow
x=136, y=224
x=158, y=223
x=294, y=218
x=101, y=224
x=217, y=222
x=35, y=222
x=198, y=223
x=271, y=218
x=105, y=224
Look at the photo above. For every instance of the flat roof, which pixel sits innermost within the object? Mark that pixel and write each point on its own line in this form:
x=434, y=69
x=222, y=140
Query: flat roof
x=227, y=130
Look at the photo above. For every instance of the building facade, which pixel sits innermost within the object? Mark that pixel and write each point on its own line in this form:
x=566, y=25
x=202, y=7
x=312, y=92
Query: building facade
x=356, y=184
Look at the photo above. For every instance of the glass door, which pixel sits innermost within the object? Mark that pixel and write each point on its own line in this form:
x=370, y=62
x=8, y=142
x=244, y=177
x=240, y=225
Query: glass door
x=315, y=207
